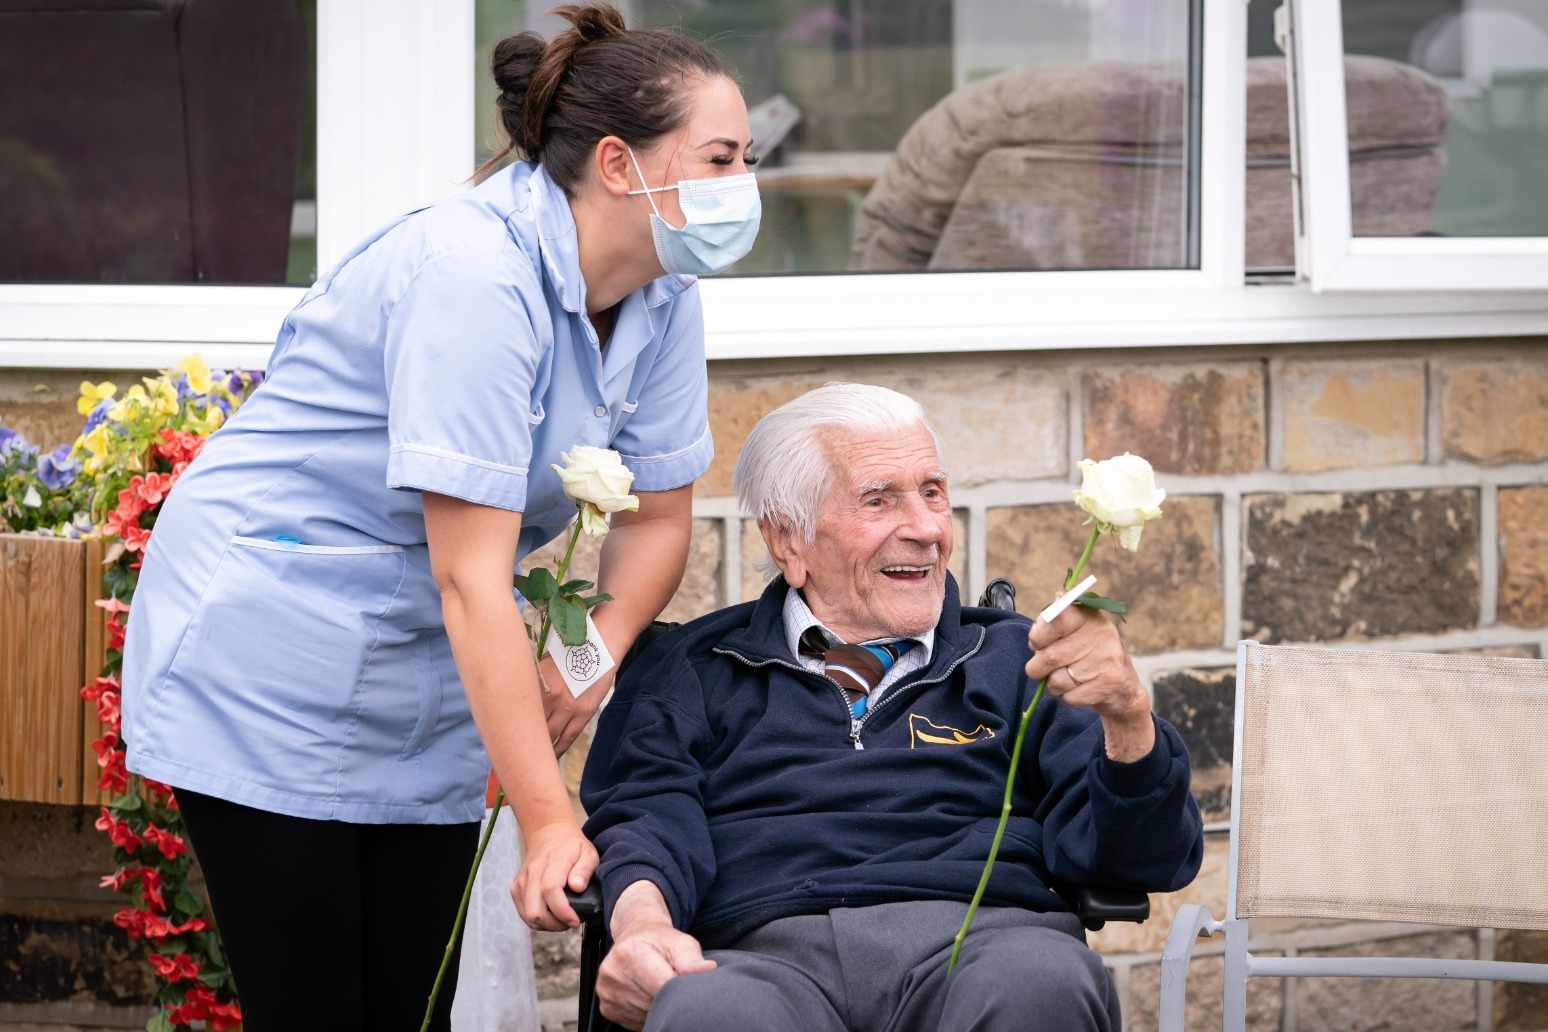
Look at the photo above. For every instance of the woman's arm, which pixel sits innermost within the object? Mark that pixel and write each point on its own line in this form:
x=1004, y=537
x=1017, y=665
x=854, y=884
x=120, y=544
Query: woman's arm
x=643, y=557
x=472, y=555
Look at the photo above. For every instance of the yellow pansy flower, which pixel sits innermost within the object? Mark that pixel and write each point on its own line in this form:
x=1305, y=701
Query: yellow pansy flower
x=198, y=373
x=93, y=394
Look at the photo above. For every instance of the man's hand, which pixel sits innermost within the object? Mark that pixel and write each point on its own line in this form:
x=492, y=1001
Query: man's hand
x=557, y=857
x=647, y=952
x=1086, y=665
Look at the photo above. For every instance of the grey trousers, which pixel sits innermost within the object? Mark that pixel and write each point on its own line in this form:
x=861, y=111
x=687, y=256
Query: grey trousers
x=883, y=969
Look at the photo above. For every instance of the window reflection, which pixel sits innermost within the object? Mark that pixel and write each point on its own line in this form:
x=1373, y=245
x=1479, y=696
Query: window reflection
x=949, y=134
x=1478, y=73
x=156, y=142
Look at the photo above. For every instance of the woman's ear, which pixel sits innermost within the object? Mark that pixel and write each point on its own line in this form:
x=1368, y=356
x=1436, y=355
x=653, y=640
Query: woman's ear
x=613, y=166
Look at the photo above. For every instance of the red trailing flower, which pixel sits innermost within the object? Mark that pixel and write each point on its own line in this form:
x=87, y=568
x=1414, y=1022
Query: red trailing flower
x=179, y=968
x=170, y=844
x=178, y=447
x=118, y=878
x=119, y=831
x=102, y=684
x=150, y=886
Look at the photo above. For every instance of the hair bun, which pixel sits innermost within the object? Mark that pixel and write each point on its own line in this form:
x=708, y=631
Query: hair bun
x=592, y=23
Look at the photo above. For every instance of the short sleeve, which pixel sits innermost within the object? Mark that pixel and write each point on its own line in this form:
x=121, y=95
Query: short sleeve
x=666, y=443
x=462, y=353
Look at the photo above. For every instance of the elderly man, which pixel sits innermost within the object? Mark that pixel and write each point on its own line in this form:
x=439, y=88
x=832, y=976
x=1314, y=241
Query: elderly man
x=790, y=832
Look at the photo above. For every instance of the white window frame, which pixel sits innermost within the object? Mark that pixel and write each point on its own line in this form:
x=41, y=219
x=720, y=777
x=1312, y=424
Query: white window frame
x=1328, y=254
x=395, y=127
x=395, y=130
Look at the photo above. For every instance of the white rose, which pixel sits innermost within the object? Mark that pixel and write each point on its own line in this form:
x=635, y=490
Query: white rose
x=1121, y=493
x=598, y=479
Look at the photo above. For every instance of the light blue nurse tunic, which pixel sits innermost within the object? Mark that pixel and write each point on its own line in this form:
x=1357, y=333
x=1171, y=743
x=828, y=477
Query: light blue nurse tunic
x=285, y=647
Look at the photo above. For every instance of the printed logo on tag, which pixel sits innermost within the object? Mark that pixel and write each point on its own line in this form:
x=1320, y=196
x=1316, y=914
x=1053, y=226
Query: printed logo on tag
x=580, y=665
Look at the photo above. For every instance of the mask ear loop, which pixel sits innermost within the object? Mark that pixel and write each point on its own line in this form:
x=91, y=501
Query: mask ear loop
x=647, y=191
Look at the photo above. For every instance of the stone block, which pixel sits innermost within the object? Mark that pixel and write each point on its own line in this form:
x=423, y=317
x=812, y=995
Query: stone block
x=1265, y=999
x=1195, y=420
x=1208, y=889
x=1352, y=413
x=1520, y=1006
x=1378, y=1004
x=1495, y=410
x=998, y=420
x=40, y=404
x=1172, y=584
x=1523, y=544
x=1201, y=705
x=1319, y=567
x=72, y=958
x=736, y=402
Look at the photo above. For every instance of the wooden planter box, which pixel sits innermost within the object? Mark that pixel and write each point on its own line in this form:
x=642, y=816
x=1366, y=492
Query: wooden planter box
x=53, y=641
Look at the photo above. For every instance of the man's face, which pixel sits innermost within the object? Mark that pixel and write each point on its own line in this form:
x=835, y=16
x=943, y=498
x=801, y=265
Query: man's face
x=877, y=565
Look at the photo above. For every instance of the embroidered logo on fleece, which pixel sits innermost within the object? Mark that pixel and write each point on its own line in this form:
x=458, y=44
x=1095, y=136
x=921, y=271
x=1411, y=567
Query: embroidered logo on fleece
x=924, y=731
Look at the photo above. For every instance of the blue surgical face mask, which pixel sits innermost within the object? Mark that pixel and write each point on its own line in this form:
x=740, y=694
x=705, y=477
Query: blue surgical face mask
x=721, y=214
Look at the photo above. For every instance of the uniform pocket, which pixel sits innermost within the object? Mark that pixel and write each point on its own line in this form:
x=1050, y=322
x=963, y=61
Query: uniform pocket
x=277, y=647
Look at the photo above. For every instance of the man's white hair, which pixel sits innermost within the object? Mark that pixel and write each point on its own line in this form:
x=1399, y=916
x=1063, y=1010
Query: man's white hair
x=784, y=473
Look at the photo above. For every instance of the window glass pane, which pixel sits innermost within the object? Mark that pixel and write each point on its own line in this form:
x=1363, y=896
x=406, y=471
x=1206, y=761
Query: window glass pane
x=950, y=134
x=1448, y=116
x=157, y=141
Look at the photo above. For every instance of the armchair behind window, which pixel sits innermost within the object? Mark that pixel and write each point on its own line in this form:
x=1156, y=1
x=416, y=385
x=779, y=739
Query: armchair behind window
x=149, y=141
x=1081, y=166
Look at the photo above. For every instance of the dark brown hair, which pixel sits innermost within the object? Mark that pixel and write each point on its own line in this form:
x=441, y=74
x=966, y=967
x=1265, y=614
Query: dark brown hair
x=595, y=79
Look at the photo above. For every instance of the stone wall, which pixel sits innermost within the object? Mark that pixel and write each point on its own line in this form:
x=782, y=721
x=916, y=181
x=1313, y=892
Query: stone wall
x=1362, y=493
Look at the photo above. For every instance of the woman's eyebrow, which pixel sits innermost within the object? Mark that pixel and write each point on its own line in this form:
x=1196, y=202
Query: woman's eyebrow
x=725, y=141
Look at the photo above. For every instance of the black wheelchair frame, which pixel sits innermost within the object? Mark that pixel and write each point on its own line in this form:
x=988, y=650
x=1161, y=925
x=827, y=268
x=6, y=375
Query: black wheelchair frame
x=1095, y=905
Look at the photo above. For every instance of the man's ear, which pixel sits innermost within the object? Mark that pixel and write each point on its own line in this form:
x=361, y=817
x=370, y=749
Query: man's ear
x=785, y=549
x=613, y=168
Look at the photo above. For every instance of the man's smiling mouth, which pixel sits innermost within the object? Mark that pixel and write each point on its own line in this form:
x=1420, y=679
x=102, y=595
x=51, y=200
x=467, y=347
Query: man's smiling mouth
x=907, y=573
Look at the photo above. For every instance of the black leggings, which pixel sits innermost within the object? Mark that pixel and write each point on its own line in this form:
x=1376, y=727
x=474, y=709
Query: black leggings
x=331, y=926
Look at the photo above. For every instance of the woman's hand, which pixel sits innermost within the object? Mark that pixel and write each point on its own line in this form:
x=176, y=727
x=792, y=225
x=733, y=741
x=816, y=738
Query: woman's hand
x=567, y=714
x=558, y=857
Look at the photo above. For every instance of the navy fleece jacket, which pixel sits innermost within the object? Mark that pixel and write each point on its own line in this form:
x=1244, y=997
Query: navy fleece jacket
x=735, y=780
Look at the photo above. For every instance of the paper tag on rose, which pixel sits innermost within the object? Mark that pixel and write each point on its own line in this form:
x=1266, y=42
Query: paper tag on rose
x=580, y=665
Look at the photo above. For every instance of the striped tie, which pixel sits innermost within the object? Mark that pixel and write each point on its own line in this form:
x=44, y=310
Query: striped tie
x=857, y=669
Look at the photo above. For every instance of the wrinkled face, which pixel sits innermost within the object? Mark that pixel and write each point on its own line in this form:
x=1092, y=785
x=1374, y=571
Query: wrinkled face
x=876, y=567
x=713, y=141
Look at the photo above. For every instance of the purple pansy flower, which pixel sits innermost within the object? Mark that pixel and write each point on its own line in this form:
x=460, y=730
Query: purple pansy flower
x=57, y=470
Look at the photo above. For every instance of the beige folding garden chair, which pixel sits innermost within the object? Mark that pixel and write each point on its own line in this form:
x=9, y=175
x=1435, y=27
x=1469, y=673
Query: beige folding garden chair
x=1378, y=786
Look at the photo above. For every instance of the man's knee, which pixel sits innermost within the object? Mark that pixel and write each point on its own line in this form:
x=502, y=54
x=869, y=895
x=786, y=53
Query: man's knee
x=1032, y=980
x=714, y=1001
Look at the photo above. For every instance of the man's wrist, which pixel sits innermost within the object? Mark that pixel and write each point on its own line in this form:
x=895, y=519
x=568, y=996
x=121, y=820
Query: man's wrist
x=639, y=906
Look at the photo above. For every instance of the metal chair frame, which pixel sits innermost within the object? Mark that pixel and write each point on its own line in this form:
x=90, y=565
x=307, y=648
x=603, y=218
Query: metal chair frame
x=1240, y=963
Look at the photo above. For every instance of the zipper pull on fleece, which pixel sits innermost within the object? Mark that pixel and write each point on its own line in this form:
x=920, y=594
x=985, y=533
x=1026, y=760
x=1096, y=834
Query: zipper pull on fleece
x=854, y=733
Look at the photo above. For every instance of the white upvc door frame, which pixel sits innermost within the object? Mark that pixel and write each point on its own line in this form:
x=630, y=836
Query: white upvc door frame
x=395, y=130
x=1328, y=254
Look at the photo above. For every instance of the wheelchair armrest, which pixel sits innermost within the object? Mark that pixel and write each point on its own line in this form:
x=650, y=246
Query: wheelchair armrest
x=587, y=903
x=1096, y=905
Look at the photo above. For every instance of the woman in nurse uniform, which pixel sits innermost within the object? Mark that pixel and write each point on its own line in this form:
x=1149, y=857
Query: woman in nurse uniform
x=324, y=632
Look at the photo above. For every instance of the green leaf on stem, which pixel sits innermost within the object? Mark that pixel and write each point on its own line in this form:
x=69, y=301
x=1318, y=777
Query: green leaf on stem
x=159, y=1023
x=592, y=601
x=537, y=587
x=1091, y=600
x=127, y=803
x=569, y=618
x=186, y=902
x=575, y=587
